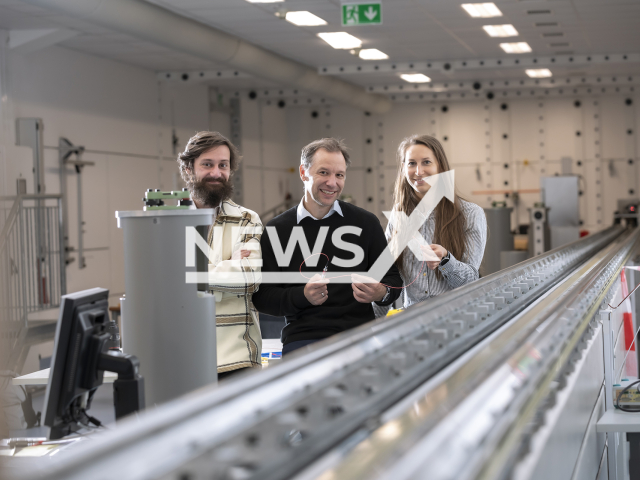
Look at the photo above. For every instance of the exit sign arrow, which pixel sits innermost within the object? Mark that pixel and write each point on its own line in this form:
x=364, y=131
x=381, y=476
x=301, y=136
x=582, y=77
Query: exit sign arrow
x=371, y=13
x=361, y=14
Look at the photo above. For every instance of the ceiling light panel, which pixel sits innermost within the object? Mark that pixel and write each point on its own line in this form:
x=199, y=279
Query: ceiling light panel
x=539, y=73
x=501, y=30
x=265, y=1
x=341, y=40
x=372, y=54
x=482, y=10
x=517, y=47
x=415, y=78
x=304, y=19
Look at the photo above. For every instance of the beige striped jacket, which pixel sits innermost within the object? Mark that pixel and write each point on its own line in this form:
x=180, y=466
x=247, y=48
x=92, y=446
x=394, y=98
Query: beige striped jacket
x=239, y=343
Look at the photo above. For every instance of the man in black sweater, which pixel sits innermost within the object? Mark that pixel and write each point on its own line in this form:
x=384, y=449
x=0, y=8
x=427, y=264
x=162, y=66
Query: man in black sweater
x=329, y=234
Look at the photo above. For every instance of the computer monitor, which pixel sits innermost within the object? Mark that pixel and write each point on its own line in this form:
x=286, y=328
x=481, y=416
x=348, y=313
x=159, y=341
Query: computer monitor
x=80, y=358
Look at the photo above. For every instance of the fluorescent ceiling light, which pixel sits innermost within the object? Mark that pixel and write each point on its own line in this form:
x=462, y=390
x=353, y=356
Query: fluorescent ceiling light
x=415, y=78
x=341, y=40
x=539, y=73
x=482, y=10
x=304, y=19
x=265, y=1
x=517, y=47
x=501, y=30
x=372, y=54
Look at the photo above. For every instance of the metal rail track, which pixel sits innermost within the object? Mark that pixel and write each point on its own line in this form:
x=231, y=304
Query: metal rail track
x=445, y=433
x=278, y=422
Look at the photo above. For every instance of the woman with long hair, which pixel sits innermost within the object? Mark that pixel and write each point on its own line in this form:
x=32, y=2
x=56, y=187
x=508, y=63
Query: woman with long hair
x=455, y=232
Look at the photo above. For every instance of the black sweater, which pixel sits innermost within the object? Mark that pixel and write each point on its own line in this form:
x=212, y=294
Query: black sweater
x=341, y=311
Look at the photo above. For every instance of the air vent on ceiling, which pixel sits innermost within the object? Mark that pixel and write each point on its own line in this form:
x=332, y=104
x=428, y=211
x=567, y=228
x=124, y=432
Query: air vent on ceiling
x=559, y=44
x=546, y=24
x=553, y=34
x=538, y=12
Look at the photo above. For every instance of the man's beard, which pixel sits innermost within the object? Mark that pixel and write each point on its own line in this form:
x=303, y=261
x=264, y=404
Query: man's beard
x=208, y=193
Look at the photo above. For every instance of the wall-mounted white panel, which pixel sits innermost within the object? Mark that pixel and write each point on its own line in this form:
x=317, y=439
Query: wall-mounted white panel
x=500, y=133
x=467, y=182
x=559, y=128
x=274, y=137
x=273, y=188
x=465, y=128
x=403, y=121
x=251, y=143
x=219, y=122
x=348, y=124
x=253, y=185
x=614, y=127
x=525, y=129
x=303, y=125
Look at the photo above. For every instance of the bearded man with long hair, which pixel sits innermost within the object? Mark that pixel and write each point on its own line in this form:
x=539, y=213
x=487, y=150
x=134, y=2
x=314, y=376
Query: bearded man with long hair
x=206, y=165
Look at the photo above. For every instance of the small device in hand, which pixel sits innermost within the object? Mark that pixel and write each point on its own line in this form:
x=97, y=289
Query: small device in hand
x=324, y=270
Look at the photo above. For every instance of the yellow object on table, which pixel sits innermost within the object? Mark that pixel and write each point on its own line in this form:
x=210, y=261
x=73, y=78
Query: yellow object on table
x=520, y=242
x=394, y=311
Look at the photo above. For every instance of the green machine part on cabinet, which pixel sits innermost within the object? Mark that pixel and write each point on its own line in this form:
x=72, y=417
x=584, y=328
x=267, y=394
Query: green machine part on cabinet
x=154, y=199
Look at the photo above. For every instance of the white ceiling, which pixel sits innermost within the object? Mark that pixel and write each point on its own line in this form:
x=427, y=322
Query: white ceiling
x=412, y=31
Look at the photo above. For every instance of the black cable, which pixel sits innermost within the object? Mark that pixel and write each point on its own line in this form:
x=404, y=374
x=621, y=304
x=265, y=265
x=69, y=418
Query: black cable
x=91, y=419
x=86, y=418
x=90, y=397
x=624, y=409
x=94, y=420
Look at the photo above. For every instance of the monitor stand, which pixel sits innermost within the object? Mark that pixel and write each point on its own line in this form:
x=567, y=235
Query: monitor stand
x=128, y=389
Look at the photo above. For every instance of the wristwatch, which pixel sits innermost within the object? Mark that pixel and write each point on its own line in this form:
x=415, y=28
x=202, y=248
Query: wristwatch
x=386, y=297
x=444, y=260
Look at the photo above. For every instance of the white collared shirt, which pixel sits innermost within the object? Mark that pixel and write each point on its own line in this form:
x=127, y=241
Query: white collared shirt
x=216, y=210
x=303, y=212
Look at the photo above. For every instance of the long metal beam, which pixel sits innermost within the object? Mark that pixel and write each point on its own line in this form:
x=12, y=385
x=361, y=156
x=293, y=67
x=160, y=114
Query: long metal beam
x=452, y=434
x=276, y=423
x=451, y=66
x=511, y=84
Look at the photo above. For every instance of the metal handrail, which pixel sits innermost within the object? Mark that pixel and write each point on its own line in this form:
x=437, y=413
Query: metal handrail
x=13, y=213
x=38, y=227
x=33, y=196
x=32, y=269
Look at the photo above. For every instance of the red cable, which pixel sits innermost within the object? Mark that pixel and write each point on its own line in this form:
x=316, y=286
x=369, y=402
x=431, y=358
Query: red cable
x=613, y=308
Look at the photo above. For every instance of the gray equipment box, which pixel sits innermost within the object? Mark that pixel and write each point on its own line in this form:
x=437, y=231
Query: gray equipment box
x=560, y=196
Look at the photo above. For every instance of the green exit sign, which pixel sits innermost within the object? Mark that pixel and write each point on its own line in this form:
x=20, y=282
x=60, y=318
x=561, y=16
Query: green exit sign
x=361, y=13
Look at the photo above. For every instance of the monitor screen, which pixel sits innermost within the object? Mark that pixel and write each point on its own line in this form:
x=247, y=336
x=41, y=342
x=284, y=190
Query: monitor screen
x=80, y=338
